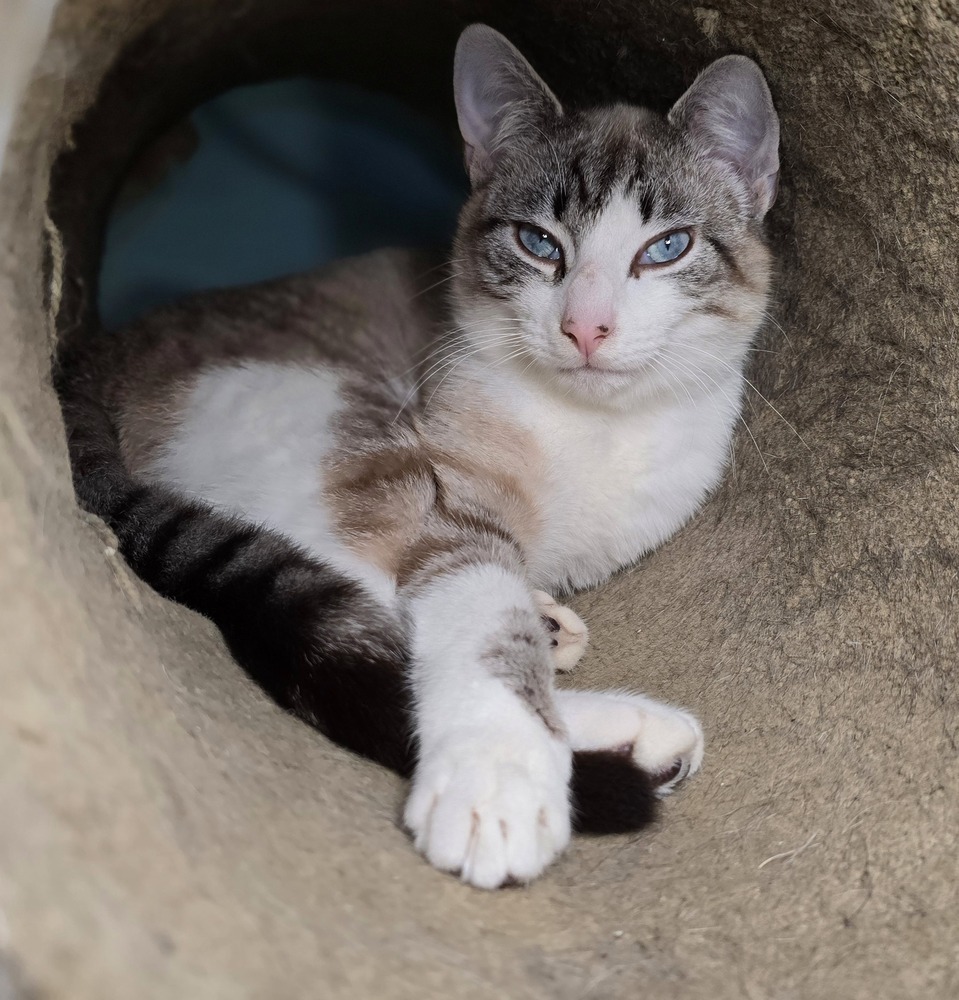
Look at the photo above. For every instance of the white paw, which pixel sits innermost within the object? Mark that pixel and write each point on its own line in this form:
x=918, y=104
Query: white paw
x=669, y=741
x=492, y=805
x=569, y=637
x=665, y=742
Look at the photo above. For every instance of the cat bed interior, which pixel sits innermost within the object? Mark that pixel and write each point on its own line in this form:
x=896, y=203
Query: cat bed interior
x=167, y=832
x=273, y=179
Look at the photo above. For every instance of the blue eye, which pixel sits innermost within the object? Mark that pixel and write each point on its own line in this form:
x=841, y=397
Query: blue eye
x=538, y=242
x=666, y=249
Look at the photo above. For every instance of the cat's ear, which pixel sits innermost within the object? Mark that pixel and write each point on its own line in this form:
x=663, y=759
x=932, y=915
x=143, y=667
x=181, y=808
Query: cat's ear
x=498, y=94
x=729, y=112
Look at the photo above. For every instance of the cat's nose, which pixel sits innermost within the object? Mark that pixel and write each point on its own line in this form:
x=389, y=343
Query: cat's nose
x=586, y=336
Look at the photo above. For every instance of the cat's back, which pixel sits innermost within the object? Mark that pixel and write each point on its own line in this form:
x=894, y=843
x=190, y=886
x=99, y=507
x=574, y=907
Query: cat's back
x=363, y=319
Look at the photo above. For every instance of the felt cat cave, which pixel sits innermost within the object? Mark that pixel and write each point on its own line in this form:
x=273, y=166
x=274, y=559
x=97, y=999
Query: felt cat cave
x=176, y=834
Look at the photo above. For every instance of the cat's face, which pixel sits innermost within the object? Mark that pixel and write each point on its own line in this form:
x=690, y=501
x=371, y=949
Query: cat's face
x=610, y=253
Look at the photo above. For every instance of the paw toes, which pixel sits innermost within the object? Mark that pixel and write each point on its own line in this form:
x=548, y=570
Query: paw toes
x=670, y=745
x=485, y=864
x=567, y=632
x=492, y=821
x=417, y=813
x=665, y=780
x=451, y=831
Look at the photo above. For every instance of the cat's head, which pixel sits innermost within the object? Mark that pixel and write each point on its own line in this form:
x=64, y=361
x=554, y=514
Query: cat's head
x=611, y=252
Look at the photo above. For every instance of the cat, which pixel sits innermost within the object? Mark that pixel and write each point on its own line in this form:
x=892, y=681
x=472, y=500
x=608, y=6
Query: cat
x=374, y=481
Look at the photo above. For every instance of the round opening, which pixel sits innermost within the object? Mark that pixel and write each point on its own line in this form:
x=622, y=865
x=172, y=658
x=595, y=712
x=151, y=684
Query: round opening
x=272, y=179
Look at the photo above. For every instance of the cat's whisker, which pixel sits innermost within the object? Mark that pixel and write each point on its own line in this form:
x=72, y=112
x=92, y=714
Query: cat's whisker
x=448, y=262
x=441, y=354
x=669, y=382
x=529, y=364
x=769, y=318
x=436, y=284
x=439, y=384
x=467, y=332
x=509, y=357
x=450, y=361
x=435, y=369
x=696, y=374
x=459, y=361
x=458, y=342
x=739, y=373
x=447, y=361
x=452, y=334
x=684, y=367
x=455, y=341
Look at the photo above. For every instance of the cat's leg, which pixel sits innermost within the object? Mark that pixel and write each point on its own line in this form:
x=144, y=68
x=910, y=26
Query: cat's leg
x=664, y=741
x=567, y=632
x=490, y=796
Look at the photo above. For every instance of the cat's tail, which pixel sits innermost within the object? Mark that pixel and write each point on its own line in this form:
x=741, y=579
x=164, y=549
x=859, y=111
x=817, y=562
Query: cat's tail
x=312, y=638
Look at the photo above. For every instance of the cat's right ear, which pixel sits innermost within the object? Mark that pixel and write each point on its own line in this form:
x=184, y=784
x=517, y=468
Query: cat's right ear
x=498, y=94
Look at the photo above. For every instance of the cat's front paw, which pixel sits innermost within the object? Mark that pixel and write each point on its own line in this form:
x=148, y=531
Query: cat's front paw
x=664, y=741
x=568, y=634
x=492, y=806
x=669, y=743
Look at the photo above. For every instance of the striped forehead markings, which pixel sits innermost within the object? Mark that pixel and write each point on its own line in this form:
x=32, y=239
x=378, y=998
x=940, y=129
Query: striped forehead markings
x=591, y=176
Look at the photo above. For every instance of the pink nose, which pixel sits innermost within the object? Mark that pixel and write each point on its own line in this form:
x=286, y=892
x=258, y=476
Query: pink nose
x=586, y=336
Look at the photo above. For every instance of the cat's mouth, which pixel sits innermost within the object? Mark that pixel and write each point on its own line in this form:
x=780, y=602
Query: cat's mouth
x=602, y=380
x=592, y=371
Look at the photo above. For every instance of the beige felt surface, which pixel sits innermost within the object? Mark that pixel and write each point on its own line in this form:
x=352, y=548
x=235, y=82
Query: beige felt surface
x=165, y=832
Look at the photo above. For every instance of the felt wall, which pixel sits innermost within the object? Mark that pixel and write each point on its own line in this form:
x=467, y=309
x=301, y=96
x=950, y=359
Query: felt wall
x=165, y=831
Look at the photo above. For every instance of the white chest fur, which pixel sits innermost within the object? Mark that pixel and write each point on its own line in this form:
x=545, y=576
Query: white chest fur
x=620, y=483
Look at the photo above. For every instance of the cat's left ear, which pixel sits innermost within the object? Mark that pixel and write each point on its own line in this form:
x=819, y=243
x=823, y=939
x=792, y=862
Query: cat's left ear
x=729, y=112
x=498, y=96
